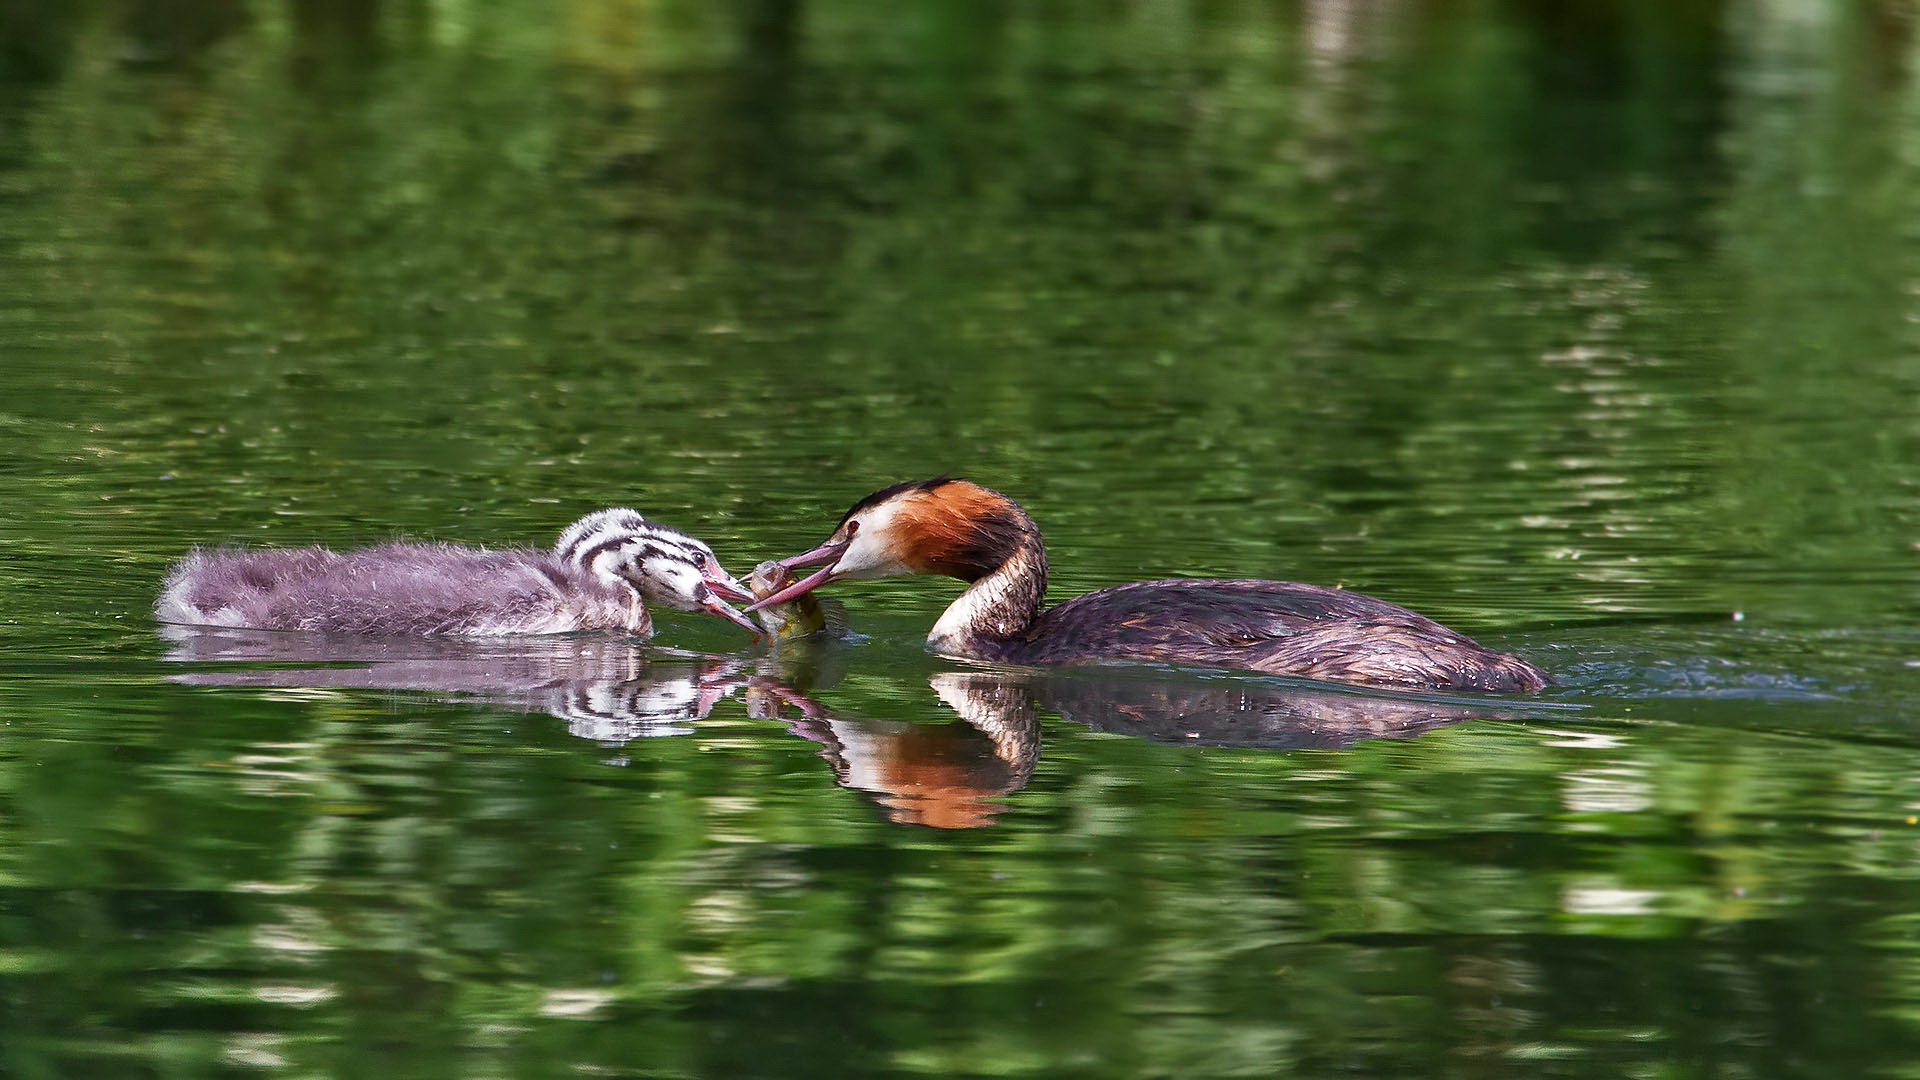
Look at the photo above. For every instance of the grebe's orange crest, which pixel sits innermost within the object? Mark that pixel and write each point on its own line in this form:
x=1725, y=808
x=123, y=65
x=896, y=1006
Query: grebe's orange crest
x=945, y=526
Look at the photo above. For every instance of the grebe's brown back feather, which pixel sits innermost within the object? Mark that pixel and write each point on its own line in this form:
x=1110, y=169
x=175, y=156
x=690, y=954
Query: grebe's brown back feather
x=1282, y=627
x=971, y=533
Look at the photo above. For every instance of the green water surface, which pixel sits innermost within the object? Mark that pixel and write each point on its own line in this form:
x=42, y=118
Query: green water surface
x=1588, y=328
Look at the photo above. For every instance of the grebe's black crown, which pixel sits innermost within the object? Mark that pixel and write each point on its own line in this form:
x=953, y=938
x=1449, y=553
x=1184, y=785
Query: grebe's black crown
x=888, y=492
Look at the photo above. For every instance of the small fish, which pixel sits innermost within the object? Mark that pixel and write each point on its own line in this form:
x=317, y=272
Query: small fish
x=797, y=618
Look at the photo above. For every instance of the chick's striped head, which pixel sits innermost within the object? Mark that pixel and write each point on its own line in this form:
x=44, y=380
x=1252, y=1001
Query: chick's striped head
x=619, y=547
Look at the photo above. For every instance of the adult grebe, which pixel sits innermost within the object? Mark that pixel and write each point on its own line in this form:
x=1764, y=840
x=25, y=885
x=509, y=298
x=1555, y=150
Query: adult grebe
x=960, y=529
x=595, y=578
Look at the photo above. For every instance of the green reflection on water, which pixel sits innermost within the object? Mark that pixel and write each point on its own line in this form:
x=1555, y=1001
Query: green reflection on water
x=1581, y=329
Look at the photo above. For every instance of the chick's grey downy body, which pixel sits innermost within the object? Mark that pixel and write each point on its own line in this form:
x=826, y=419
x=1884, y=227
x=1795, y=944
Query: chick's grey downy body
x=593, y=579
x=396, y=589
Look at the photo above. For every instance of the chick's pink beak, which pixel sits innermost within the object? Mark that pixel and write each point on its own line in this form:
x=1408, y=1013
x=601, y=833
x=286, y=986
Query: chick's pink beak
x=717, y=606
x=725, y=585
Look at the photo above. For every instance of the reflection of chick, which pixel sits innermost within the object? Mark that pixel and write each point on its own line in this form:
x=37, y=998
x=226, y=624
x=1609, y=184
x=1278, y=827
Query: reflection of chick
x=605, y=688
x=938, y=775
x=666, y=703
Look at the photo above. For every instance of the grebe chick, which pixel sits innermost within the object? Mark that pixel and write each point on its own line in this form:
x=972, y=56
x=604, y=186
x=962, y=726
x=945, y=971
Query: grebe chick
x=596, y=577
x=960, y=529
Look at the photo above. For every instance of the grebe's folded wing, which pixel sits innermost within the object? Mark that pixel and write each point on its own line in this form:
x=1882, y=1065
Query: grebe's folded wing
x=1281, y=627
x=1215, y=611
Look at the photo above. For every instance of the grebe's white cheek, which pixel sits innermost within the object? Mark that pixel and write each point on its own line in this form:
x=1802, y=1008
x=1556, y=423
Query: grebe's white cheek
x=868, y=558
x=872, y=554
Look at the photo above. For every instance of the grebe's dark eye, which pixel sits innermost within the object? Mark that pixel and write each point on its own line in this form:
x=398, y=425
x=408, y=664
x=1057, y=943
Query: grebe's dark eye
x=852, y=527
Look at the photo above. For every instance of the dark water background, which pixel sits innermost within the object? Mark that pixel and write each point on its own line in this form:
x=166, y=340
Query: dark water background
x=1588, y=328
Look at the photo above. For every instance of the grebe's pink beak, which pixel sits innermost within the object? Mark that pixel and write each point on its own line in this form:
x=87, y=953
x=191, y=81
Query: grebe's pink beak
x=828, y=553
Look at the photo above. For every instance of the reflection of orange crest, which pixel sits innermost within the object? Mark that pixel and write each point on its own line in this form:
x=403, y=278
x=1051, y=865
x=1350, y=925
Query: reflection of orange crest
x=937, y=775
x=943, y=776
x=939, y=813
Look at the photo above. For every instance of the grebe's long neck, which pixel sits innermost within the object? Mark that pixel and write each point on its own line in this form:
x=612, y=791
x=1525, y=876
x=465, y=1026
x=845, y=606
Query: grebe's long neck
x=1000, y=606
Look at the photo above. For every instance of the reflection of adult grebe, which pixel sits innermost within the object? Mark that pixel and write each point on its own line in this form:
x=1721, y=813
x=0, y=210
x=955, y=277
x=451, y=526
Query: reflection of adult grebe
x=963, y=530
x=940, y=775
x=595, y=578
x=949, y=775
x=1187, y=709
